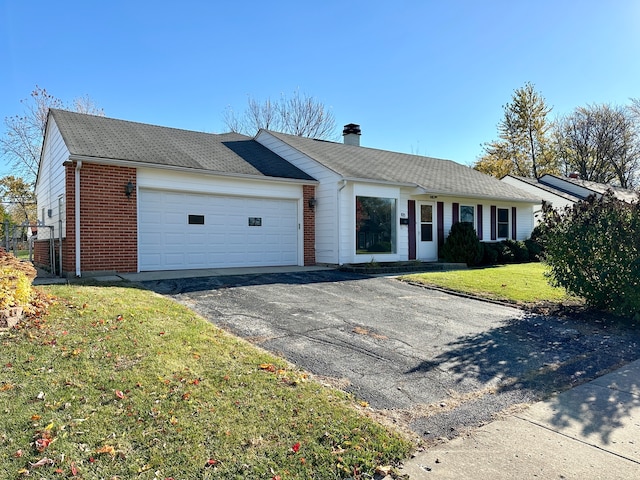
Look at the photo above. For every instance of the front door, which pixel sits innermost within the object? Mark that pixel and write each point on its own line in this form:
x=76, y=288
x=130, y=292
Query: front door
x=426, y=231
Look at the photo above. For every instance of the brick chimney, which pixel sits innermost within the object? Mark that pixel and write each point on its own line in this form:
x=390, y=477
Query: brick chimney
x=351, y=134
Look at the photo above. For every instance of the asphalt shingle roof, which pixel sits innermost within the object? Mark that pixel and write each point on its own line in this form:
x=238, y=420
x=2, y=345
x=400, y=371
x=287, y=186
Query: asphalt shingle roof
x=228, y=153
x=437, y=176
x=624, y=194
x=547, y=188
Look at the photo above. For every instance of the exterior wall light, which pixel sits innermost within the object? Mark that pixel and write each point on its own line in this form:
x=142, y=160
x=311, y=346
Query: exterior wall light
x=312, y=202
x=128, y=189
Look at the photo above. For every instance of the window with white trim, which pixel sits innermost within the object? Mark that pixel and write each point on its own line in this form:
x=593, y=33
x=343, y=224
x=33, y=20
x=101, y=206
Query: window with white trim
x=503, y=223
x=375, y=225
x=467, y=214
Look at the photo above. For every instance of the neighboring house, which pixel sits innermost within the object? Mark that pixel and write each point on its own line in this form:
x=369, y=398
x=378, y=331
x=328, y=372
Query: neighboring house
x=130, y=197
x=561, y=192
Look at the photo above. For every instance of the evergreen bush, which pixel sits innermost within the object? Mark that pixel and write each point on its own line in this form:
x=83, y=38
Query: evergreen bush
x=462, y=245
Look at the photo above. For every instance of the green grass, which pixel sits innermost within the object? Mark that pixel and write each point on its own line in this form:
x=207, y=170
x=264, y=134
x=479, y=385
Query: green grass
x=22, y=254
x=124, y=383
x=523, y=284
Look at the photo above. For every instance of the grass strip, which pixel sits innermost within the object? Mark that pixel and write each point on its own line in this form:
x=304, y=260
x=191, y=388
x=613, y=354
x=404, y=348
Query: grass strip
x=523, y=284
x=119, y=382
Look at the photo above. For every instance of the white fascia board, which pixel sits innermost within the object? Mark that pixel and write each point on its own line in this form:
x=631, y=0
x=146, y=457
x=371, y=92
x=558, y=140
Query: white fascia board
x=199, y=171
x=379, y=182
x=529, y=201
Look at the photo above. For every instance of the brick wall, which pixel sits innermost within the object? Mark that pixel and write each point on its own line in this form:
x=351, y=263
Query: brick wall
x=41, y=253
x=108, y=219
x=309, y=215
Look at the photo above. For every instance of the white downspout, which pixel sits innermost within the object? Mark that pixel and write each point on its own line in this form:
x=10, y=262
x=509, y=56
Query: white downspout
x=77, y=218
x=344, y=184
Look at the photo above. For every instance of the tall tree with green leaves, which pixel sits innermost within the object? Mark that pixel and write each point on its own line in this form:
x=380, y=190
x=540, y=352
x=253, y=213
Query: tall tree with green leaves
x=523, y=147
x=18, y=198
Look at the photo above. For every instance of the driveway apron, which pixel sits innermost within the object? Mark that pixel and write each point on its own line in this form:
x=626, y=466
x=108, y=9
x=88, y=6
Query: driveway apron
x=436, y=363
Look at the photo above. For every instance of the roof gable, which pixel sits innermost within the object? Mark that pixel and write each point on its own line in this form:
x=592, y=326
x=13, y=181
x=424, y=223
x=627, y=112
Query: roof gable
x=230, y=153
x=546, y=188
x=568, y=184
x=434, y=175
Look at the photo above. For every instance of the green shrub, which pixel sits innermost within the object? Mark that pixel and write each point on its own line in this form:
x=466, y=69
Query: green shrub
x=593, y=251
x=535, y=250
x=505, y=253
x=519, y=251
x=536, y=242
x=462, y=245
x=491, y=253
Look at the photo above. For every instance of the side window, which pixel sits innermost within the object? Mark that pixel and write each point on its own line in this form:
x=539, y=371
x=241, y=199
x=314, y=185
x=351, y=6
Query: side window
x=503, y=223
x=467, y=214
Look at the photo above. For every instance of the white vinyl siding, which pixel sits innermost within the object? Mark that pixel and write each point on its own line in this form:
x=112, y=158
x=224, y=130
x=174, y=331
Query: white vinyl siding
x=330, y=214
x=50, y=185
x=524, y=215
x=556, y=201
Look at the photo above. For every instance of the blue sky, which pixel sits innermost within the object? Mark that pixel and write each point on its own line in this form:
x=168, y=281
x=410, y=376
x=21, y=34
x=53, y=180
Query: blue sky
x=419, y=76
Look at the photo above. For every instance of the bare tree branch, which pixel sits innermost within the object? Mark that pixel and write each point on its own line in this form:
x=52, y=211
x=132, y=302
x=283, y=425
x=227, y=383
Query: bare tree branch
x=299, y=114
x=22, y=141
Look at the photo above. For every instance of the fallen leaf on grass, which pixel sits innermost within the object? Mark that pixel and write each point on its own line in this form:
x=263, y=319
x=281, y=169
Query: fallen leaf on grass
x=42, y=462
x=386, y=470
x=119, y=394
x=6, y=386
x=295, y=447
x=269, y=367
x=107, y=449
x=42, y=444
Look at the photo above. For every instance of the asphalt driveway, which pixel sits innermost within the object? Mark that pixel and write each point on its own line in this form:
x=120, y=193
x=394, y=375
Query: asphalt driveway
x=434, y=362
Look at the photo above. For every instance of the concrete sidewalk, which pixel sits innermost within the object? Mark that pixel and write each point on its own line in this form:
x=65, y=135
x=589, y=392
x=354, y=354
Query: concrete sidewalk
x=589, y=432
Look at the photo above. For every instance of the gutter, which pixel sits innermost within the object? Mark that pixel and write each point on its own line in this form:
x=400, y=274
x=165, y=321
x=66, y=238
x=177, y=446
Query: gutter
x=200, y=171
x=339, y=191
x=77, y=216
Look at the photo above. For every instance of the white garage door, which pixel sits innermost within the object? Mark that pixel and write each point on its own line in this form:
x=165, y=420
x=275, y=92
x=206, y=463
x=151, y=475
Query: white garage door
x=187, y=231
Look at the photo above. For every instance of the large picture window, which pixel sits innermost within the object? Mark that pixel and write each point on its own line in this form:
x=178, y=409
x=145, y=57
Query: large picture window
x=375, y=225
x=503, y=223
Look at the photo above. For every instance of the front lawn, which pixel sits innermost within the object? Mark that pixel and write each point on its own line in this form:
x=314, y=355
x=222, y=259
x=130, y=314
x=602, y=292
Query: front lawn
x=523, y=284
x=123, y=383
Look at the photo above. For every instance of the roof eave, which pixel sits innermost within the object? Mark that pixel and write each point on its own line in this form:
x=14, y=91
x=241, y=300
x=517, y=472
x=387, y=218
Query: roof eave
x=380, y=182
x=199, y=171
x=532, y=201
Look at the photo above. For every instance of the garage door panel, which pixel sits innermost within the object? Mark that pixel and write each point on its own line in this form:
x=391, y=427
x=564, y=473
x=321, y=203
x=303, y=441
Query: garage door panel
x=168, y=241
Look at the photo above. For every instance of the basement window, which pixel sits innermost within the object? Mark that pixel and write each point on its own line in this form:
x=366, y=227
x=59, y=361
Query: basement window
x=196, y=219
